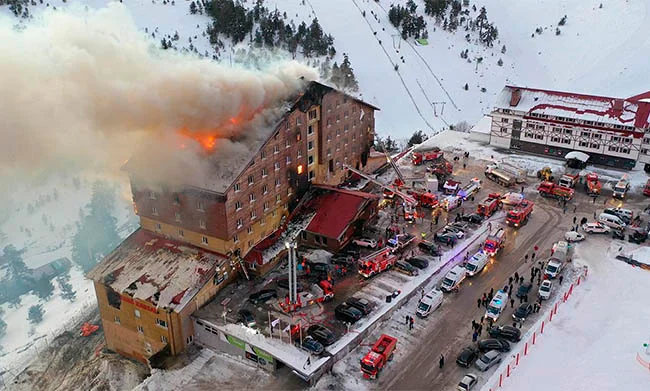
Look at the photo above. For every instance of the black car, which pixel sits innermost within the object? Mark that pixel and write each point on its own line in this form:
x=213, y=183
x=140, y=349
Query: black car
x=509, y=333
x=319, y=268
x=347, y=313
x=473, y=218
x=429, y=247
x=418, y=262
x=262, y=296
x=524, y=289
x=310, y=345
x=467, y=357
x=638, y=236
x=446, y=238
x=246, y=318
x=362, y=305
x=488, y=344
x=618, y=234
x=522, y=312
x=406, y=268
x=321, y=334
x=284, y=283
x=343, y=260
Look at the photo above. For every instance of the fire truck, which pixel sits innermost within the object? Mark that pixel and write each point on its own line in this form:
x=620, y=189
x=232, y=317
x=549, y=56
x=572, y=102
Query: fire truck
x=441, y=169
x=451, y=187
x=569, y=179
x=425, y=199
x=520, y=215
x=495, y=242
x=550, y=189
x=622, y=187
x=646, y=189
x=490, y=205
x=377, y=262
x=427, y=156
x=318, y=293
x=471, y=189
x=400, y=242
x=381, y=352
x=592, y=184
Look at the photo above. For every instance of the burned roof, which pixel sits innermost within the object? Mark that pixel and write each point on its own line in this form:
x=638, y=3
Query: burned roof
x=163, y=272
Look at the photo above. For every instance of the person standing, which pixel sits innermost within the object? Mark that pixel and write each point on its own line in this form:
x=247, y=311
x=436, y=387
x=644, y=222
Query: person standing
x=516, y=276
x=478, y=302
x=441, y=362
x=575, y=219
x=411, y=321
x=512, y=303
x=474, y=336
x=560, y=279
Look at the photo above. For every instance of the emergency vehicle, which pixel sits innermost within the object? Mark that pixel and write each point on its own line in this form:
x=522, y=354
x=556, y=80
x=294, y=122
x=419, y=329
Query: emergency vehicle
x=427, y=156
x=550, y=189
x=377, y=262
x=317, y=294
x=592, y=184
x=496, y=306
x=381, y=352
x=495, y=242
x=520, y=215
x=490, y=205
x=471, y=189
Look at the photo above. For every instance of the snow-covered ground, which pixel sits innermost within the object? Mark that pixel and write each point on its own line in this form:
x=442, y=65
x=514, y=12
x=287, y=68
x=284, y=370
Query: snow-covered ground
x=593, y=340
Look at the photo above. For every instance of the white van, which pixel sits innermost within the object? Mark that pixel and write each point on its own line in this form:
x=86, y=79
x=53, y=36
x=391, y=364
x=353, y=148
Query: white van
x=429, y=303
x=553, y=268
x=560, y=251
x=624, y=214
x=498, y=303
x=453, y=278
x=611, y=221
x=476, y=263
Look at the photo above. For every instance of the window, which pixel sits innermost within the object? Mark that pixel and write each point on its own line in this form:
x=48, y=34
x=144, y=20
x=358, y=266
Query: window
x=163, y=339
x=504, y=130
x=251, y=180
x=329, y=138
x=263, y=154
x=346, y=114
x=253, y=215
x=204, y=239
x=251, y=197
x=278, y=199
x=505, y=111
x=310, y=160
x=338, y=117
x=311, y=175
x=240, y=223
x=137, y=313
x=237, y=187
x=181, y=233
x=153, y=195
x=250, y=230
x=540, y=127
x=161, y=323
x=276, y=166
x=265, y=189
x=300, y=169
x=596, y=146
x=238, y=205
x=266, y=206
x=329, y=151
x=202, y=224
x=287, y=143
x=567, y=131
x=276, y=149
x=158, y=227
x=310, y=145
x=117, y=319
x=584, y=134
x=312, y=114
x=555, y=139
x=583, y=144
x=287, y=160
x=154, y=211
x=177, y=200
x=264, y=172
x=298, y=121
x=140, y=329
x=199, y=206
x=235, y=238
x=262, y=222
x=310, y=130
x=286, y=125
x=505, y=120
x=329, y=122
x=288, y=191
x=177, y=217
x=277, y=182
x=338, y=132
x=300, y=152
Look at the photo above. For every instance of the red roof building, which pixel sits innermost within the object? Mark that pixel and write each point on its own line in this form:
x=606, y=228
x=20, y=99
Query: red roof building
x=612, y=131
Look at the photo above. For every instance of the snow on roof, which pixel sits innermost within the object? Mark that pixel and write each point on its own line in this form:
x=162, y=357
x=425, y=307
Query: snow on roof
x=335, y=210
x=483, y=126
x=151, y=268
x=289, y=235
x=630, y=112
x=583, y=157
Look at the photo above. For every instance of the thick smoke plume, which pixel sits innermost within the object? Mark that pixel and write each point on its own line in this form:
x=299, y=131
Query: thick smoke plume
x=89, y=88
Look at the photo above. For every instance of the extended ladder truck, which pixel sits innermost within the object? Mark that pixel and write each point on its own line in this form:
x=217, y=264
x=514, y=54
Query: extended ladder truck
x=410, y=202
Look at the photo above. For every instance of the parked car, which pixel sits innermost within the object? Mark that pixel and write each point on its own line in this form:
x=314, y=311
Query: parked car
x=573, y=236
x=365, y=242
x=596, y=228
x=467, y=356
x=618, y=234
x=638, y=236
x=311, y=345
x=321, y=334
x=509, y=333
x=246, y=318
x=488, y=344
x=488, y=360
x=262, y=296
x=319, y=268
x=406, y=268
x=545, y=289
x=454, y=230
x=429, y=247
x=446, y=238
x=284, y=283
x=467, y=382
x=362, y=305
x=522, y=312
x=346, y=313
x=343, y=260
x=418, y=262
x=473, y=218
x=524, y=289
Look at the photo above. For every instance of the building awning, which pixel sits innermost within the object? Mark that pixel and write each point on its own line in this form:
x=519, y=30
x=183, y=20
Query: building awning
x=583, y=157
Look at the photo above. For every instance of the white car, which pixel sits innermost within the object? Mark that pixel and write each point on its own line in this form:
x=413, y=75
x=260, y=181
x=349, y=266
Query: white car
x=512, y=198
x=573, y=236
x=596, y=228
x=365, y=242
x=468, y=382
x=545, y=289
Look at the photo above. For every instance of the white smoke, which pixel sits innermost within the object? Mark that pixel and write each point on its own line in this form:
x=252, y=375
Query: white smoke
x=88, y=88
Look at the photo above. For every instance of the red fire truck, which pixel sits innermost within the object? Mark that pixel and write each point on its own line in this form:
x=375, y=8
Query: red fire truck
x=520, y=215
x=427, y=156
x=377, y=262
x=490, y=205
x=592, y=184
x=317, y=294
x=381, y=352
x=495, y=242
x=425, y=199
x=550, y=189
x=646, y=189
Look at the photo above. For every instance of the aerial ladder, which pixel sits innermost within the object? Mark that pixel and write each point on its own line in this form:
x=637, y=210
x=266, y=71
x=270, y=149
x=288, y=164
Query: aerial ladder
x=409, y=201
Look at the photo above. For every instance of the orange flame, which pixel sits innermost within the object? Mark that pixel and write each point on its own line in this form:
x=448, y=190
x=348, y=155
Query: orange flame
x=207, y=138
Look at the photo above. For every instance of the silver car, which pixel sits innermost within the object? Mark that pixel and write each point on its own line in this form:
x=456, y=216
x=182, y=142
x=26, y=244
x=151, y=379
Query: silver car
x=488, y=360
x=468, y=382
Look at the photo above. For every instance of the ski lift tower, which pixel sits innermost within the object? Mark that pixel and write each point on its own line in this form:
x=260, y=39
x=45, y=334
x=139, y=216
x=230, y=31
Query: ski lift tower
x=442, y=110
x=293, y=278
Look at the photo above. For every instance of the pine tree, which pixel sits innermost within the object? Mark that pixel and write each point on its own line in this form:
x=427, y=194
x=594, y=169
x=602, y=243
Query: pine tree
x=500, y=62
x=466, y=87
x=193, y=8
x=562, y=21
x=347, y=73
x=35, y=314
x=418, y=137
x=336, y=78
x=503, y=49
